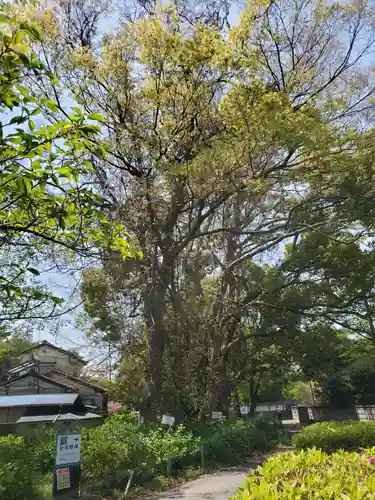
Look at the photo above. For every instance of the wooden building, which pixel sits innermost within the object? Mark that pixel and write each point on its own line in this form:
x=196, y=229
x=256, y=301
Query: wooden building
x=48, y=369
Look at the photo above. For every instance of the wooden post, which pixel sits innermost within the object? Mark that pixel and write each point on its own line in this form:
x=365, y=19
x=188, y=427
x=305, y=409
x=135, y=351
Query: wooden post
x=169, y=466
x=202, y=458
x=129, y=483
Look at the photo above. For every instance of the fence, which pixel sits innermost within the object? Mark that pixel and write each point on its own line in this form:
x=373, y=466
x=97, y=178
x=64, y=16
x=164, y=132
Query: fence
x=304, y=414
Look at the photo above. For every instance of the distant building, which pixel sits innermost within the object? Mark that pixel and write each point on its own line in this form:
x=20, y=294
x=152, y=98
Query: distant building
x=270, y=408
x=48, y=369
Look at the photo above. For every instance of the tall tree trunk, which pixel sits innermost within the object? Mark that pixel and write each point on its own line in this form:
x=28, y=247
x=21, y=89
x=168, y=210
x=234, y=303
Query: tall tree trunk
x=154, y=311
x=213, y=379
x=235, y=403
x=253, y=394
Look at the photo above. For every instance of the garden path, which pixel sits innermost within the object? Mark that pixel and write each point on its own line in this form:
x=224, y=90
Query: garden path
x=218, y=486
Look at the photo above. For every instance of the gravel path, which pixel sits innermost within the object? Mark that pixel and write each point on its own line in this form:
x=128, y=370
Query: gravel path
x=218, y=486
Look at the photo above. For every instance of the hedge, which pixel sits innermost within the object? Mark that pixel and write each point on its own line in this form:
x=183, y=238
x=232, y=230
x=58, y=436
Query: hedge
x=312, y=474
x=332, y=436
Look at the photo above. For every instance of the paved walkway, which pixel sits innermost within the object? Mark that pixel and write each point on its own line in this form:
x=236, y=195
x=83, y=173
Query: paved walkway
x=218, y=486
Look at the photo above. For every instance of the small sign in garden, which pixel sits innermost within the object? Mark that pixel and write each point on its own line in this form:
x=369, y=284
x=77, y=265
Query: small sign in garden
x=168, y=420
x=217, y=415
x=68, y=448
x=67, y=473
x=244, y=410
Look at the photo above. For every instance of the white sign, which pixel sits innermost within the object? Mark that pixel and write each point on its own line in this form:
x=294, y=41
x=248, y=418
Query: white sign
x=217, y=415
x=168, y=420
x=62, y=479
x=244, y=410
x=68, y=448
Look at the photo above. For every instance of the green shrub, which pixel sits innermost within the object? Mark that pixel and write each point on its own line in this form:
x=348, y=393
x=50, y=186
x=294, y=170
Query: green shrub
x=19, y=474
x=162, y=443
x=42, y=444
x=109, y=452
x=331, y=436
x=231, y=442
x=312, y=474
x=272, y=428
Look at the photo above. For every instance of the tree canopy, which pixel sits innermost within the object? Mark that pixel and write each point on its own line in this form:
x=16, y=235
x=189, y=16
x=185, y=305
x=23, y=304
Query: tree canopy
x=239, y=154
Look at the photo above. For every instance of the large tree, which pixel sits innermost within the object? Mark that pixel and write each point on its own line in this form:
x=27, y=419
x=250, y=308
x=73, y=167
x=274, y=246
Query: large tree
x=224, y=145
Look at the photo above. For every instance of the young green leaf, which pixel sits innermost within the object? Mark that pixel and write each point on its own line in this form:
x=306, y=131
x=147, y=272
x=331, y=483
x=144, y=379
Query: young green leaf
x=97, y=117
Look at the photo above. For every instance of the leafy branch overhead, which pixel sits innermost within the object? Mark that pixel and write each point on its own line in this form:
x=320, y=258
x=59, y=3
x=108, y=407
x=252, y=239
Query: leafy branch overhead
x=46, y=197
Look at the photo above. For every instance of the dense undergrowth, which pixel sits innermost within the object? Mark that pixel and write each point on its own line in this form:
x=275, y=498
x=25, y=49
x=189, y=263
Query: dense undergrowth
x=110, y=452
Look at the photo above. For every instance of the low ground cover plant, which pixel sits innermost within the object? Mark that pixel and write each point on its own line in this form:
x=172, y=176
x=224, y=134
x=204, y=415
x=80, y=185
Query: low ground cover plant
x=311, y=474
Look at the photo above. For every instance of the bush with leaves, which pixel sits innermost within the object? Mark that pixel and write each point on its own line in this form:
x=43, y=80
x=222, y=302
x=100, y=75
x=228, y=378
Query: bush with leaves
x=109, y=452
x=312, y=474
x=232, y=441
x=332, y=436
x=43, y=445
x=19, y=473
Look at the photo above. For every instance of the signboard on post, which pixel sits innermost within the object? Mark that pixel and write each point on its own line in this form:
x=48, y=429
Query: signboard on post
x=67, y=474
x=244, y=410
x=68, y=448
x=168, y=420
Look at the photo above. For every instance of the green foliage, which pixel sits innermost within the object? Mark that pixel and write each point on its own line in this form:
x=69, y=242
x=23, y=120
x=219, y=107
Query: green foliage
x=332, y=436
x=12, y=347
x=43, y=197
x=18, y=472
x=312, y=474
x=355, y=380
x=231, y=442
x=301, y=391
x=111, y=451
x=43, y=445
